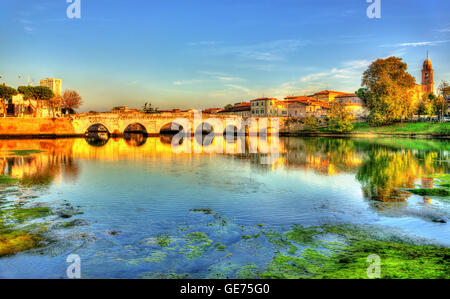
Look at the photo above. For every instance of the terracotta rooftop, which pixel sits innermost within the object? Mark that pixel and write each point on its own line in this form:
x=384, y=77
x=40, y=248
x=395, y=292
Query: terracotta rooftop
x=330, y=91
x=305, y=100
x=243, y=105
x=298, y=99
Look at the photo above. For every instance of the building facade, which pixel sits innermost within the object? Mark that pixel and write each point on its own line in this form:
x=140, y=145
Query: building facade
x=18, y=106
x=353, y=104
x=327, y=96
x=55, y=85
x=239, y=109
x=303, y=106
x=264, y=107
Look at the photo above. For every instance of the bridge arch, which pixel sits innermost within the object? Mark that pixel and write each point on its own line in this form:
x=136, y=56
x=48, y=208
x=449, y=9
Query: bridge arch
x=135, y=135
x=166, y=129
x=137, y=128
x=210, y=125
x=97, y=135
x=97, y=128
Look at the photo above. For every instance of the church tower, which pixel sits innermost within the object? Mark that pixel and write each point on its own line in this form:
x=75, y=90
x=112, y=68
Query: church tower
x=427, y=76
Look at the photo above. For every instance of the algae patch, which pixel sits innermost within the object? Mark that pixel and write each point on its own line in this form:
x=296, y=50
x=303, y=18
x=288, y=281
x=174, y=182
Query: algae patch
x=7, y=180
x=17, y=241
x=399, y=258
x=24, y=152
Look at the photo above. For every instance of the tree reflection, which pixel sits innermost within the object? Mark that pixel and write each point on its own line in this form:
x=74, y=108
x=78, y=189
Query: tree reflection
x=385, y=171
x=39, y=169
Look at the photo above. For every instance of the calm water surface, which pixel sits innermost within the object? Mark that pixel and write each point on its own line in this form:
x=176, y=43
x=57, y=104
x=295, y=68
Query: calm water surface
x=128, y=194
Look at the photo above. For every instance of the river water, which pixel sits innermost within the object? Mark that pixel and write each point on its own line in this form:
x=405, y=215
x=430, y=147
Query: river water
x=126, y=197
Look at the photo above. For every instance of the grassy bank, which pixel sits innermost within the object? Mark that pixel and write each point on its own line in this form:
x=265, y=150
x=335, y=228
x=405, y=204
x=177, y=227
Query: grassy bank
x=399, y=129
x=425, y=128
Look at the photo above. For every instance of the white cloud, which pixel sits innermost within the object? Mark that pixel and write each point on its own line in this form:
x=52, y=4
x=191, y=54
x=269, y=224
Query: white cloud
x=184, y=82
x=246, y=90
x=211, y=77
x=418, y=44
x=344, y=78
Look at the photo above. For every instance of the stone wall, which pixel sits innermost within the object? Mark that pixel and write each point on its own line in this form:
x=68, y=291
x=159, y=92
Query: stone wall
x=10, y=126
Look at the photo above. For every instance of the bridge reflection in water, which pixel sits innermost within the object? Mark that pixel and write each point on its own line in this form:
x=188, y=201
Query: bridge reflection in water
x=382, y=166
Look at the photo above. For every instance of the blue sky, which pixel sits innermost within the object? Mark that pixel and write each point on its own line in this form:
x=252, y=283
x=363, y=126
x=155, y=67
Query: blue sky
x=198, y=54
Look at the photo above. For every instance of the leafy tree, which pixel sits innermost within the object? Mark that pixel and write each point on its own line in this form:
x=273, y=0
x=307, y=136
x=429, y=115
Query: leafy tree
x=340, y=119
x=440, y=106
x=147, y=108
x=388, y=91
x=425, y=106
x=444, y=89
x=228, y=107
x=311, y=122
x=6, y=94
x=71, y=100
x=37, y=93
x=364, y=95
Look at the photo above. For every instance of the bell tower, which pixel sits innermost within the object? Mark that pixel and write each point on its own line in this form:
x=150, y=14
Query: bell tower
x=427, y=76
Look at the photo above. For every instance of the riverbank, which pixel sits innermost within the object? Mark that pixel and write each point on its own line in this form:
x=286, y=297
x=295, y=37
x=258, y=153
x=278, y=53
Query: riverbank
x=409, y=130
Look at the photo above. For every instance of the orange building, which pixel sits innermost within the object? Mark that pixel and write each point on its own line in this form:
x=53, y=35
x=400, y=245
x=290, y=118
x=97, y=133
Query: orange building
x=327, y=95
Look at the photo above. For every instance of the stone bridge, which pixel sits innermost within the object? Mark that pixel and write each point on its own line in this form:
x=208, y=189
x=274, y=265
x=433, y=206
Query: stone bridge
x=154, y=124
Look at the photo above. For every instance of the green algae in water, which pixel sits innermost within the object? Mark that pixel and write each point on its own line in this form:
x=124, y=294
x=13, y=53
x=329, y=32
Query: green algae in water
x=155, y=257
x=13, y=242
x=163, y=240
x=24, y=214
x=24, y=152
x=276, y=239
x=399, y=259
x=14, y=239
x=302, y=252
x=220, y=247
x=7, y=180
x=250, y=271
x=197, y=244
x=303, y=235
